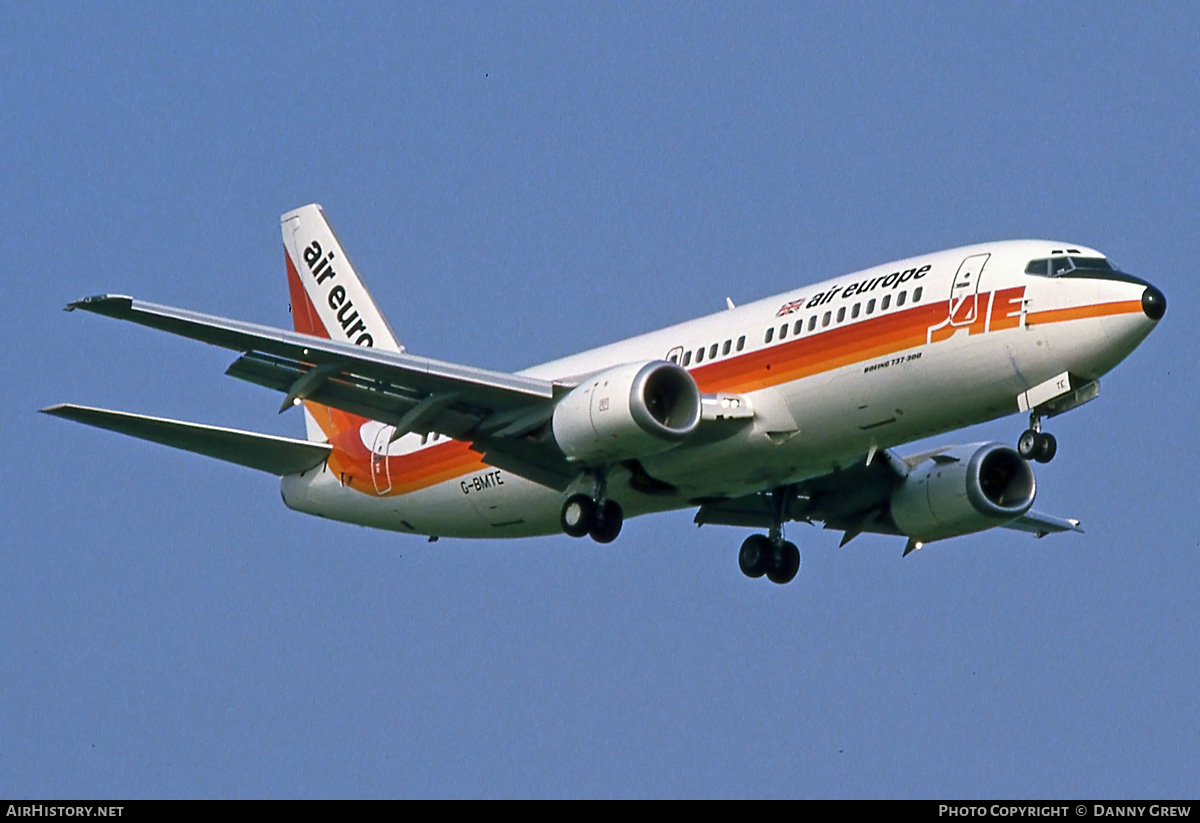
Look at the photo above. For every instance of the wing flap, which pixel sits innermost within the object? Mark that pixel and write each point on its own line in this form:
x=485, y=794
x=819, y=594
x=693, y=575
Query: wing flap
x=274, y=455
x=751, y=511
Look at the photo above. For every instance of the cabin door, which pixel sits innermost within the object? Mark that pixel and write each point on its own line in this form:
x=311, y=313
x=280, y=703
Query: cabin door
x=964, y=291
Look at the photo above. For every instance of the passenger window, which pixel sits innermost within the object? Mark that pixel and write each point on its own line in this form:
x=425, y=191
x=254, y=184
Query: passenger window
x=812, y=322
x=854, y=311
x=900, y=298
x=917, y=293
x=699, y=355
x=687, y=359
x=871, y=306
x=673, y=357
x=887, y=301
x=770, y=335
x=841, y=314
x=712, y=351
x=825, y=319
x=741, y=342
x=783, y=331
x=726, y=347
x=799, y=327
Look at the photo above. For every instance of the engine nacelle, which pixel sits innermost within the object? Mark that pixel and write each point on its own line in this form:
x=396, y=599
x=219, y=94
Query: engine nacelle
x=963, y=490
x=628, y=411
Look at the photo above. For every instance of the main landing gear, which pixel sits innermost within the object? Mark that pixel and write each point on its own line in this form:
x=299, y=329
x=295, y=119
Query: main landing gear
x=770, y=554
x=778, y=559
x=593, y=514
x=1035, y=444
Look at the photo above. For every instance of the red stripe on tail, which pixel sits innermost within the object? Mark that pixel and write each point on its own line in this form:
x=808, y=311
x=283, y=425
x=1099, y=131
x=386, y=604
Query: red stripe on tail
x=304, y=314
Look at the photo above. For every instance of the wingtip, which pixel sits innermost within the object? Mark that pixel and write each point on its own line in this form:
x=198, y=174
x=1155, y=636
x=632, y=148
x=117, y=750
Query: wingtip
x=99, y=302
x=64, y=410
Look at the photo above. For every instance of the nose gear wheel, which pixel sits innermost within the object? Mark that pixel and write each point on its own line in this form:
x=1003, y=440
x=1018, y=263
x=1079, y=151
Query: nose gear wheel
x=1035, y=444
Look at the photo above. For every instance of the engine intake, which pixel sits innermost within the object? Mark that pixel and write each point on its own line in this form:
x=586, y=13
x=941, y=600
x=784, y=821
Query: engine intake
x=963, y=490
x=628, y=411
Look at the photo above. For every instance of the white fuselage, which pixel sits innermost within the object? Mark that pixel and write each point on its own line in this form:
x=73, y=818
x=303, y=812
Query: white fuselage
x=829, y=370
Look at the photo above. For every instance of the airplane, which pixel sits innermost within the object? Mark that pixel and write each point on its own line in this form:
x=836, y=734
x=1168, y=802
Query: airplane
x=785, y=409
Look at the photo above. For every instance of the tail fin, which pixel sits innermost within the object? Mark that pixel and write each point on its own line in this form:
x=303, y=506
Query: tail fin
x=328, y=296
x=328, y=300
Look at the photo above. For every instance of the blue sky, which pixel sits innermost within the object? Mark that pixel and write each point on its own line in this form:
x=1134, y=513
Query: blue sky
x=517, y=182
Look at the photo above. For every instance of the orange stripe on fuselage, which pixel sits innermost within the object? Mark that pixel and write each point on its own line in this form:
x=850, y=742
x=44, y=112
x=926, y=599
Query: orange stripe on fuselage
x=784, y=362
x=806, y=356
x=1038, y=318
x=408, y=472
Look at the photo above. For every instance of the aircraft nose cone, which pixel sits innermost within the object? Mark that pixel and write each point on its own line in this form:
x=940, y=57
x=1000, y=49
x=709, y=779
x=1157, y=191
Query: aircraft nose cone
x=1154, y=303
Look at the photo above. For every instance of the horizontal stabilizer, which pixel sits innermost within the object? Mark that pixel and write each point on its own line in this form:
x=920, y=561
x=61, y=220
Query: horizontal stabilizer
x=265, y=452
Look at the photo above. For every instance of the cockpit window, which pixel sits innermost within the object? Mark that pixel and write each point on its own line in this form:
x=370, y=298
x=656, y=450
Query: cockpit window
x=1093, y=263
x=1058, y=266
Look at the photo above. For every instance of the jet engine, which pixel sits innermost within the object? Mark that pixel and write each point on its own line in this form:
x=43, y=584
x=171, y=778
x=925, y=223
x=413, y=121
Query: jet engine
x=963, y=490
x=628, y=411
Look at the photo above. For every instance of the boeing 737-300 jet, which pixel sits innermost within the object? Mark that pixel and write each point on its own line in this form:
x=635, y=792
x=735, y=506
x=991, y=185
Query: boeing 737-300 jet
x=785, y=409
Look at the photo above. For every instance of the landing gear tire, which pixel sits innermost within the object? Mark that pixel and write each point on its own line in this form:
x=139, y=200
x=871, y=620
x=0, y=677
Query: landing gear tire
x=1027, y=444
x=755, y=556
x=1046, y=449
x=1035, y=445
x=785, y=563
x=778, y=561
x=578, y=515
x=608, y=521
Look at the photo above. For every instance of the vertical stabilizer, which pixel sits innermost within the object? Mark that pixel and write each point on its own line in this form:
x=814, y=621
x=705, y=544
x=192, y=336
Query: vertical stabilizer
x=328, y=300
x=338, y=304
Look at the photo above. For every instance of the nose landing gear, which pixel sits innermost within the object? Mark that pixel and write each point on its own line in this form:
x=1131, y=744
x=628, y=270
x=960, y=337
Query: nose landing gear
x=1034, y=444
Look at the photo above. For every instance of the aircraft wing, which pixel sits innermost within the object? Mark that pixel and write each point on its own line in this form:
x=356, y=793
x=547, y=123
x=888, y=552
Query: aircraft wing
x=1040, y=524
x=265, y=452
x=421, y=375
x=494, y=411
x=854, y=499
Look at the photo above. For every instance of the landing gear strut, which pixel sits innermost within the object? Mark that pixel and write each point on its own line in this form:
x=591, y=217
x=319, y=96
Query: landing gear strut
x=593, y=514
x=770, y=554
x=1034, y=444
